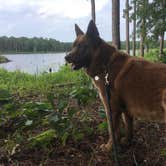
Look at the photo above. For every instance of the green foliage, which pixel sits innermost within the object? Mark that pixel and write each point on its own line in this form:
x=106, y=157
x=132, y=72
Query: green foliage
x=5, y=95
x=163, y=152
x=37, y=109
x=83, y=94
x=153, y=55
x=43, y=139
x=151, y=21
x=23, y=83
x=67, y=123
x=102, y=127
x=102, y=112
x=24, y=44
x=158, y=17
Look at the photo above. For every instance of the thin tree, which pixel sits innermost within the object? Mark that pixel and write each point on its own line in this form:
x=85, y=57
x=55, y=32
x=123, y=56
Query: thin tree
x=116, y=23
x=93, y=10
x=127, y=27
x=161, y=48
x=144, y=15
x=142, y=38
x=158, y=22
x=134, y=28
x=162, y=30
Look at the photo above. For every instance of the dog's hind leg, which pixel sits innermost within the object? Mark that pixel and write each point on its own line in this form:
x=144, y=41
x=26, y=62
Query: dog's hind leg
x=164, y=104
x=128, y=120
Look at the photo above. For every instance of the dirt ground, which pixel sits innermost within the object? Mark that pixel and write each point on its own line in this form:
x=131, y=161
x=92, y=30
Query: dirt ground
x=147, y=149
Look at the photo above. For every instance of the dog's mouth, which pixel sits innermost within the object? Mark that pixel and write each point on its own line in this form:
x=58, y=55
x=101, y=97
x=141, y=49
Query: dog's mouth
x=75, y=66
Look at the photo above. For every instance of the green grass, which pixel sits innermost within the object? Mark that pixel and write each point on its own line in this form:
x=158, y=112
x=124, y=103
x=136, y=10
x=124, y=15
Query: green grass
x=153, y=55
x=26, y=83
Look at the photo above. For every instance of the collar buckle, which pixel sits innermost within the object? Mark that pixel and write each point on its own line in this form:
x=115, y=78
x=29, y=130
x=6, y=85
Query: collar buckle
x=106, y=79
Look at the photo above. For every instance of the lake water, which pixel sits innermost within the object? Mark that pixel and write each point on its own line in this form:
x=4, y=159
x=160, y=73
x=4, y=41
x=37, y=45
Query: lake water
x=34, y=63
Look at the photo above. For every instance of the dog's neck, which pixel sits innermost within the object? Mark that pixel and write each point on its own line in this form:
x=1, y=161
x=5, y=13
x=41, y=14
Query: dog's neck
x=100, y=58
x=112, y=64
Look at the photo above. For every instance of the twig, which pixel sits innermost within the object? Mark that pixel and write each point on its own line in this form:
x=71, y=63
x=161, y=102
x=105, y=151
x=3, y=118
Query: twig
x=135, y=161
x=92, y=156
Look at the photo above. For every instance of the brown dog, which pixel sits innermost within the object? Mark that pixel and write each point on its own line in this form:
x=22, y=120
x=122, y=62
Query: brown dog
x=138, y=86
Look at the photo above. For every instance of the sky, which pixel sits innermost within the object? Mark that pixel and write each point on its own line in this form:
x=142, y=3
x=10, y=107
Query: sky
x=55, y=18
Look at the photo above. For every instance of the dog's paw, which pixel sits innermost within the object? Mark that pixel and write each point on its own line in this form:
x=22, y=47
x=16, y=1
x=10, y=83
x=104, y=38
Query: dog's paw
x=106, y=147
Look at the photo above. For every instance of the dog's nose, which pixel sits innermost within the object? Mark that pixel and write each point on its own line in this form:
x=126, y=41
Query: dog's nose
x=67, y=57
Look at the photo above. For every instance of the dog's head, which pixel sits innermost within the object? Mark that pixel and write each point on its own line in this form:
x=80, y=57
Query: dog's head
x=81, y=54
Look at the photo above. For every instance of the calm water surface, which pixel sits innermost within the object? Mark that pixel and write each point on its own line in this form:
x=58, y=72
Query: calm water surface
x=34, y=63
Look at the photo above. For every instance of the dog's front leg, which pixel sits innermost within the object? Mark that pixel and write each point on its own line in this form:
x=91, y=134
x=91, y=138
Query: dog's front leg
x=116, y=121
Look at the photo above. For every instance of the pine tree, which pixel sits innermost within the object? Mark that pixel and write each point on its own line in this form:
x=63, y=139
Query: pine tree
x=116, y=23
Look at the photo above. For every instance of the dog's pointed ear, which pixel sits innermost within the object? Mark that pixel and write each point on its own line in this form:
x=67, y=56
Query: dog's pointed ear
x=92, y=30
x=78, y=30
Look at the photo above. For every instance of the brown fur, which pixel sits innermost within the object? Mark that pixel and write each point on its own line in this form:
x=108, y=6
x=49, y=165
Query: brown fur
x=138, y=86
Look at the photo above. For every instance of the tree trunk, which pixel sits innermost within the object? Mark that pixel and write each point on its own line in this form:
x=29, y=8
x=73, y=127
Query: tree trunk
x=134, y=29
x=142, y=45
x=127, y=28
x=116, y=23
x=147, y=47
x=161, y=52
x=93, y=10
x=142, y=37
x=143, y=28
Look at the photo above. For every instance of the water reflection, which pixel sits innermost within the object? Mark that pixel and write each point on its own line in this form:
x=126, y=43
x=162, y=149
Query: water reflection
x=34, y=63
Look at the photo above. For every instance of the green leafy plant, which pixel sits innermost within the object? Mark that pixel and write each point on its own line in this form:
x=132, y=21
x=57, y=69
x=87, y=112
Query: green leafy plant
x=102, y=127
x=83, y=94
x=43, y=139
x=5, y=96
x=163, y=152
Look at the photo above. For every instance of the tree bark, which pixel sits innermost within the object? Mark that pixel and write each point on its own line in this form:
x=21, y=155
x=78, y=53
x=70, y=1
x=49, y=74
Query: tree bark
x=127, y=28
x=142, y=45
x=147, y=47
x=134, y=29
x=142, y=37
x=116, y=23
x=93, y=10
x=161, y=52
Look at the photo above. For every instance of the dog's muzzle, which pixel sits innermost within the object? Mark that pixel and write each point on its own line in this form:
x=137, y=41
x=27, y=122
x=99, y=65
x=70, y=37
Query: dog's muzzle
x=68, y=58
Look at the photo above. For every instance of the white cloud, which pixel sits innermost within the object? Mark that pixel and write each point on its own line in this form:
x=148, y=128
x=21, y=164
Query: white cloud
x=68, y=8
x=48, y=8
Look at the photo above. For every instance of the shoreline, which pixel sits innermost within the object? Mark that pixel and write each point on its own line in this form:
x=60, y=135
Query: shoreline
x=3, y=59
x=8, y=53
